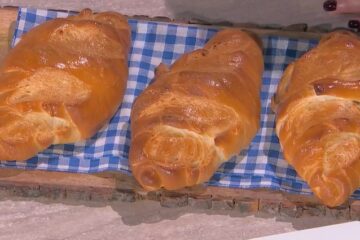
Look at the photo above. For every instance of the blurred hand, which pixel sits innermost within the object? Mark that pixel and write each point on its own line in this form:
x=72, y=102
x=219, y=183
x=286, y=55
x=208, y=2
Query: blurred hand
x=343, y=7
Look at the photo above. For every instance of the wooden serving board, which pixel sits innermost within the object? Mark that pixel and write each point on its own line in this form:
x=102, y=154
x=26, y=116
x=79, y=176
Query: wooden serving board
x=112, y=186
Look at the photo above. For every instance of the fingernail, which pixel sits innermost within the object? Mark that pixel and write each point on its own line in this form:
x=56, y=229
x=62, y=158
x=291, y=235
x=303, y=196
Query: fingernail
x=330, y=5
x=354, y=24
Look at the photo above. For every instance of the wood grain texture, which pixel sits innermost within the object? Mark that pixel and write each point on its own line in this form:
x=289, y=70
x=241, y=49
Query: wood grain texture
x=7, y=21
x=112, y=186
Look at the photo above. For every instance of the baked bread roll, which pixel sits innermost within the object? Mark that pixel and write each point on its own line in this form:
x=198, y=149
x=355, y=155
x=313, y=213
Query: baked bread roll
x=317, y=107
x=198, y=113
x=63, y=81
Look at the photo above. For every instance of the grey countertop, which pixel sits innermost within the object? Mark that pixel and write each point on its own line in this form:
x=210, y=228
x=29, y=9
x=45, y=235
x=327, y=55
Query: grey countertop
x=39, y=218
x=282, y=12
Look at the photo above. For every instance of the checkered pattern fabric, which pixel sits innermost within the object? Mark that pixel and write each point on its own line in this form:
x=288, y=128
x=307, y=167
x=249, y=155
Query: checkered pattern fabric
x=260, y=166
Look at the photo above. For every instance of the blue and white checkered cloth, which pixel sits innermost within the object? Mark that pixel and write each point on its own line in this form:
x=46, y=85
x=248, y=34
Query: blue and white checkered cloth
x=260, y=166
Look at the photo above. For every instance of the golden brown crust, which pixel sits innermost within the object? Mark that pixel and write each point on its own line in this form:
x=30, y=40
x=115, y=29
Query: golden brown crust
x=198, y=113
x=62, y=82
x=318, y=117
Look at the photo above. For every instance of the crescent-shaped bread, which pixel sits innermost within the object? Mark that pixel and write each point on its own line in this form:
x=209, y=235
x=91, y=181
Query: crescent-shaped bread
x=198, y=113
x=317, y=107
x=62, y=82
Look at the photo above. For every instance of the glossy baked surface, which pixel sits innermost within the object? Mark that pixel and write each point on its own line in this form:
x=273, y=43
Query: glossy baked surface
x=318, y=117
x=63, y=81
x=198, y=113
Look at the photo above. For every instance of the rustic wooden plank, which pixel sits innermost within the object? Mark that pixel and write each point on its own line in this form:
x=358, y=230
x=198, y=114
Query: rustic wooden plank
x=107, y=187
x=200, y=201
x=355, y=210
x=7, y=20
x=286, y=32
x=68, y=180
x=111, y=186
x=56, y=185
x=246, y=206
